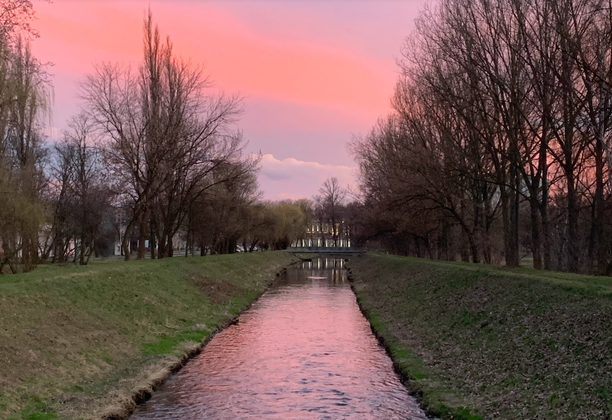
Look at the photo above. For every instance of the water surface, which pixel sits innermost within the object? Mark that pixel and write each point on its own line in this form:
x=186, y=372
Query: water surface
x=303, y=351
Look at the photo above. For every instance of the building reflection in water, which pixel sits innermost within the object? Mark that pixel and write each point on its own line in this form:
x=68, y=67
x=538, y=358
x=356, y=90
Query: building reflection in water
x=330, y=268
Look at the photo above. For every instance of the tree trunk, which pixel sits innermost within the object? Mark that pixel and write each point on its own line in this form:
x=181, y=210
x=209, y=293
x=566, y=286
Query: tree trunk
x=152, y=238
x=599, y=209
x=535, y=231
x=142, y=235
x=126, y=239
x=573, y=263
x=512, y=251
x=82, y=251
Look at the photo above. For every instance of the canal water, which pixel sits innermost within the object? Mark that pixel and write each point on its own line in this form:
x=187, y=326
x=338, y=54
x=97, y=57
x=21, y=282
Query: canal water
x=303, y=351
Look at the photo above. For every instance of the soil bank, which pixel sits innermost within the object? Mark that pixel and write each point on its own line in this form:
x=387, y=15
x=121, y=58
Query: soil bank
x=477, y=341
x=81, y=342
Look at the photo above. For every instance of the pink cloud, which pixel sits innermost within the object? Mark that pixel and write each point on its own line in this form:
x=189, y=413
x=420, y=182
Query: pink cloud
x=293, y=179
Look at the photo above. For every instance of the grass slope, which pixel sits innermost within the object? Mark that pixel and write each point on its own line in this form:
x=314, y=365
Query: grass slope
x=484, y=342
x=75, y=340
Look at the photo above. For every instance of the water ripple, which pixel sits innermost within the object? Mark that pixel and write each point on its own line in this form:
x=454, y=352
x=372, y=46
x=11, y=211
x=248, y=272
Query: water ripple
x=303, y=351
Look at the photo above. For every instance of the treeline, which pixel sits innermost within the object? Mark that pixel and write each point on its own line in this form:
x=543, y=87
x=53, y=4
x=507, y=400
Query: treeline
x=152, y=151
x=153, y=157
x=498, y=146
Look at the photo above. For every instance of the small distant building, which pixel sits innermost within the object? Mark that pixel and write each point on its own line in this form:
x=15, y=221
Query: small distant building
x=321, y=234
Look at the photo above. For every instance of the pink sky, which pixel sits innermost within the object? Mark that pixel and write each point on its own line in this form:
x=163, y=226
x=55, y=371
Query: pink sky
x=313, y=73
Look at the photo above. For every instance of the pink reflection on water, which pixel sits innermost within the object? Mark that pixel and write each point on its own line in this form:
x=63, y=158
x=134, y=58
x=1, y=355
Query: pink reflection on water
x=303, y=351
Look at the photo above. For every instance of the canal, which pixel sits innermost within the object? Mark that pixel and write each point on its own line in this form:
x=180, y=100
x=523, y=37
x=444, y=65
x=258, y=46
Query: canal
x=303, y=351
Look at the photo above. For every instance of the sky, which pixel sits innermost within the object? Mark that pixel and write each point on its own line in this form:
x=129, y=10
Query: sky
x=313, y=73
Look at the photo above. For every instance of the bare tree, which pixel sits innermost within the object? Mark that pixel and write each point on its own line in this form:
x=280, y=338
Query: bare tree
x=502, y=108
x=84, y=194
x=329, y=204
x=15, y=18
x=165, y=136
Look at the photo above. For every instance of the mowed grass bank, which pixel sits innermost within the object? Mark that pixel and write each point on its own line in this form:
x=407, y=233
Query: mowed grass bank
x=76, y=342
x=484, y=342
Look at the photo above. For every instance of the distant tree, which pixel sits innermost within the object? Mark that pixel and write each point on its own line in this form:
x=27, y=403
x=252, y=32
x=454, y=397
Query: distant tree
x=222, y=214
x=307, y=208
x=284, y=223
x=83, y=195
x=329, y=204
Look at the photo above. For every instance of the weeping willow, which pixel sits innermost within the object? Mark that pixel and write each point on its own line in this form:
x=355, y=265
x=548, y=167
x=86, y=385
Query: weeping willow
x=25, y=98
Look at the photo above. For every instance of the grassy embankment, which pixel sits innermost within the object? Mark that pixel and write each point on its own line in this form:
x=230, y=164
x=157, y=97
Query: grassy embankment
x=477, y=341
x=77, y=342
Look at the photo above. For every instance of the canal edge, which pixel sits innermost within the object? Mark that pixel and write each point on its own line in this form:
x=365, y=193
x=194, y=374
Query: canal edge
x=123, y=408
x=402, y=372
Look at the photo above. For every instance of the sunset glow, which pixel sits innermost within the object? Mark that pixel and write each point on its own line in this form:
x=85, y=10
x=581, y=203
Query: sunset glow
x=312, y=74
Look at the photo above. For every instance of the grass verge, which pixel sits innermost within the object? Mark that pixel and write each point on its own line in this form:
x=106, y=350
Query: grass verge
x=482, y=342
x=88, y=342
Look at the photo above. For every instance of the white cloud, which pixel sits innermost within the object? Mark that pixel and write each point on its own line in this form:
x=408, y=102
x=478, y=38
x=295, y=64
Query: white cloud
x=291, y=178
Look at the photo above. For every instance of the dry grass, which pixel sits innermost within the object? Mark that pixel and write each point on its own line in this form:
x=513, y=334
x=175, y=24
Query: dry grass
x=74, y=340
x=509, y=344
x=217, y=290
